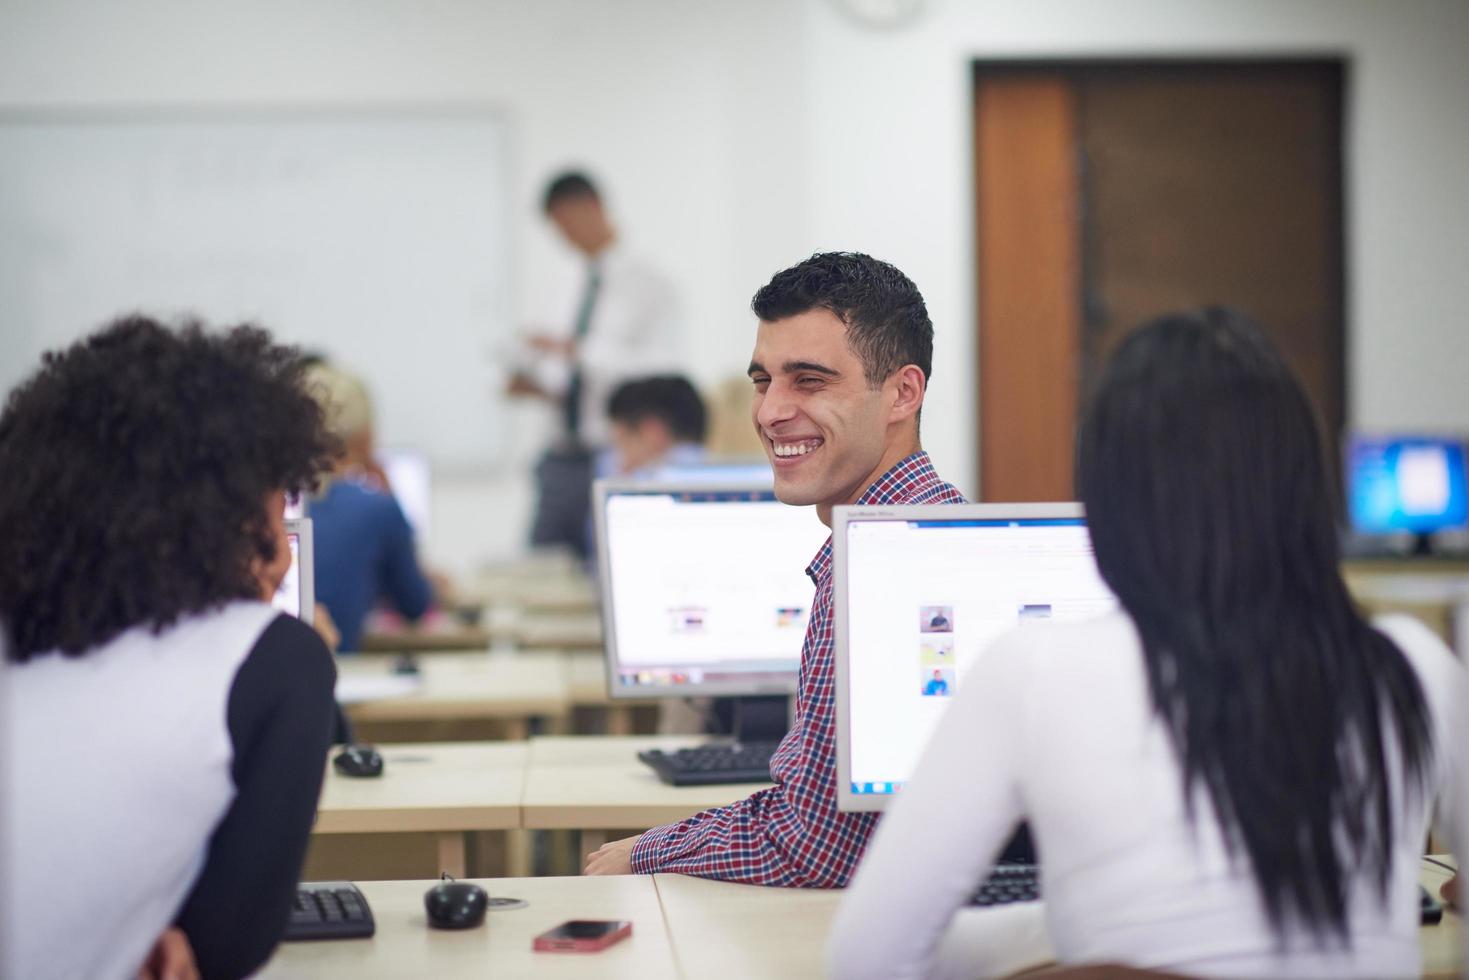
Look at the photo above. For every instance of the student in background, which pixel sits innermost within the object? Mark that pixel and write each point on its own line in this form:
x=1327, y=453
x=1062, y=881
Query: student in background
x=656, y=422
x=1231, y=776
x=364, y=544
x=623, y=324
x=841, y=364
x=168, y=729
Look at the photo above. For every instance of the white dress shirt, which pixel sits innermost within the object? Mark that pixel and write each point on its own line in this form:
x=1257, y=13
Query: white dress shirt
x=1054, y=724
x=634, y=332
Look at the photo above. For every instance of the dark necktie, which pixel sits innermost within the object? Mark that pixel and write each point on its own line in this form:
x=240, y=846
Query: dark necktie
x=571, y=402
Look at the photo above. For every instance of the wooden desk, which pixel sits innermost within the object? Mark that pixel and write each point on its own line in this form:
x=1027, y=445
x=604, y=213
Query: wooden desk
x=444, y=633
x=572, y=596
x=586, y=681
x=555, y=583
x=586, y=677
x=559, y=631
x=682, y=927
x=1443, y=944
x=406, y=947
x=724, y=929
x=446, y=790
x=714, y=927
x=504, y=687
x=595, y=783
x=1431, y=590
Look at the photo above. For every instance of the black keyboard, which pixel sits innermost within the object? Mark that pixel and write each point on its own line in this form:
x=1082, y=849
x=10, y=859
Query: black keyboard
x=1009, y=883
x=744, y=762
x=329, y=910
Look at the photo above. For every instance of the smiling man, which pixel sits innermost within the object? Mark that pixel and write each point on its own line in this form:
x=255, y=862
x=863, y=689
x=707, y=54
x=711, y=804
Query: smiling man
x=841, y=364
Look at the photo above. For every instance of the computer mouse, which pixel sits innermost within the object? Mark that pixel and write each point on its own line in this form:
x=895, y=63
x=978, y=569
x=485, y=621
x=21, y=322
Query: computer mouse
x=358, y=760
x=455, y=905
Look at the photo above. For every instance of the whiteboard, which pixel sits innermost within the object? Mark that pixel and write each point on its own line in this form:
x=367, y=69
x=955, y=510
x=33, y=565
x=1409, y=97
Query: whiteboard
x=380, y=239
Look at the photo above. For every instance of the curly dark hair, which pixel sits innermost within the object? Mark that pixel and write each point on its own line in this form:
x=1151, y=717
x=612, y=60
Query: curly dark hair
x=887, y=321
x=136, y=465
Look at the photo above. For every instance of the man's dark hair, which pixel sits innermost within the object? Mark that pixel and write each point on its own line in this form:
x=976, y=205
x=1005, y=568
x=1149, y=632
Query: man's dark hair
x=568, y=186
x=670, y=398
x=887, y=323
x=137, y=464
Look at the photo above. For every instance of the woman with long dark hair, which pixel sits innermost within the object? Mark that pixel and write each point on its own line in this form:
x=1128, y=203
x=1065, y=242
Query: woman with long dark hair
x=167, y=729
x=1232, y=775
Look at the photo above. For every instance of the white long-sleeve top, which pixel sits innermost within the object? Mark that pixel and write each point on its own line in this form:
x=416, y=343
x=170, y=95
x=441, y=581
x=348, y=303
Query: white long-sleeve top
x=1054, y=724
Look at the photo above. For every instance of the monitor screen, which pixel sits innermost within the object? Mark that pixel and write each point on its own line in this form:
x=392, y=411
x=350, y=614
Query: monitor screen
x=920, y=592
x=704, y=589
x=721, y=473
x=296, y=594
x=1401, y=483
x=409, y=478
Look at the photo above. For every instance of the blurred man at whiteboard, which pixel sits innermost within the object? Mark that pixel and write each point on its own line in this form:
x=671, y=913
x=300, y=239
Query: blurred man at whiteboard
x=621, y=324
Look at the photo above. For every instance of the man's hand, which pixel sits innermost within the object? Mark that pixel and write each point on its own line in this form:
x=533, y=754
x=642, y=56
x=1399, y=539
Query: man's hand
x=523, y=386
x=555, y=346
x=172, y=958
x=612, y=858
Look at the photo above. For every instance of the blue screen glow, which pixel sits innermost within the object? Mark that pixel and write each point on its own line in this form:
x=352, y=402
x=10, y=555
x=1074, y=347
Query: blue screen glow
x=1406, y=484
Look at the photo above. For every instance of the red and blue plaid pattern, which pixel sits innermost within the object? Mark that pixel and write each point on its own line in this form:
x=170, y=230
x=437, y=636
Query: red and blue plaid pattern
x=792, y=834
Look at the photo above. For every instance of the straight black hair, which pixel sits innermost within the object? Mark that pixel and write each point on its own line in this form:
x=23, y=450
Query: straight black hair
x=1204, y=480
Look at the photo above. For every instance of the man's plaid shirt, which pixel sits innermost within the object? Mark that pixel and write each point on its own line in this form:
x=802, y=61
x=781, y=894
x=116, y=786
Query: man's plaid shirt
x=791, y=834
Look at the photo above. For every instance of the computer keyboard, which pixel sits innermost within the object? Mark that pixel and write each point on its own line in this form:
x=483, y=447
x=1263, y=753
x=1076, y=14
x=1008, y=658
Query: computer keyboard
x=1009, y=883
x=743, y=762
x=329, y=910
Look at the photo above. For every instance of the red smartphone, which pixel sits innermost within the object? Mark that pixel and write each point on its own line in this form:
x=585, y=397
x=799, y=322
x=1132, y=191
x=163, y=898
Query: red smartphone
x=582, y=936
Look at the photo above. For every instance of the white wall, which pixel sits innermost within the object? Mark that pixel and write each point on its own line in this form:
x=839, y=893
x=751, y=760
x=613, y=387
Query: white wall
x=736, y=137
x=891, y=141
x=689, y=113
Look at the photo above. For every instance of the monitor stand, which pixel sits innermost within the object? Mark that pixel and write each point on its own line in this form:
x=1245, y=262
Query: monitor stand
x=1422, y=545
x=754, y=719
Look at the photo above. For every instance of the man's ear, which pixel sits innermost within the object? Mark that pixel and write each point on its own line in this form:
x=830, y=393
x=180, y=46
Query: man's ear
x=908, y=387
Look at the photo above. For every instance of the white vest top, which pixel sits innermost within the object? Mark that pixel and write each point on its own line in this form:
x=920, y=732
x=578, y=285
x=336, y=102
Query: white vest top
x=115, y=772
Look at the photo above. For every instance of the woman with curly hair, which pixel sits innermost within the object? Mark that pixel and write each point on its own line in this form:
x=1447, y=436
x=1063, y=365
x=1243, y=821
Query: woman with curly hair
x=167, y=727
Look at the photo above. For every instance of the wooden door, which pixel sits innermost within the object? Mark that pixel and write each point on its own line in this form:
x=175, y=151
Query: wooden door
x=1029, y=285
x=1191, y=185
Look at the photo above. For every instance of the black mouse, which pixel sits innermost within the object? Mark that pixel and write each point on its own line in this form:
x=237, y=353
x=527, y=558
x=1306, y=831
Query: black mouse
x=358, y=760
x=455, y=905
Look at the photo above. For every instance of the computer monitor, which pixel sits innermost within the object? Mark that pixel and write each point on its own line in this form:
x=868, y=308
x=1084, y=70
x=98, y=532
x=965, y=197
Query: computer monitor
x=411, y=480
x=726, y=472
x=920, y=592
x=1402, y=483
x=296, y=594
x=704, y=590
